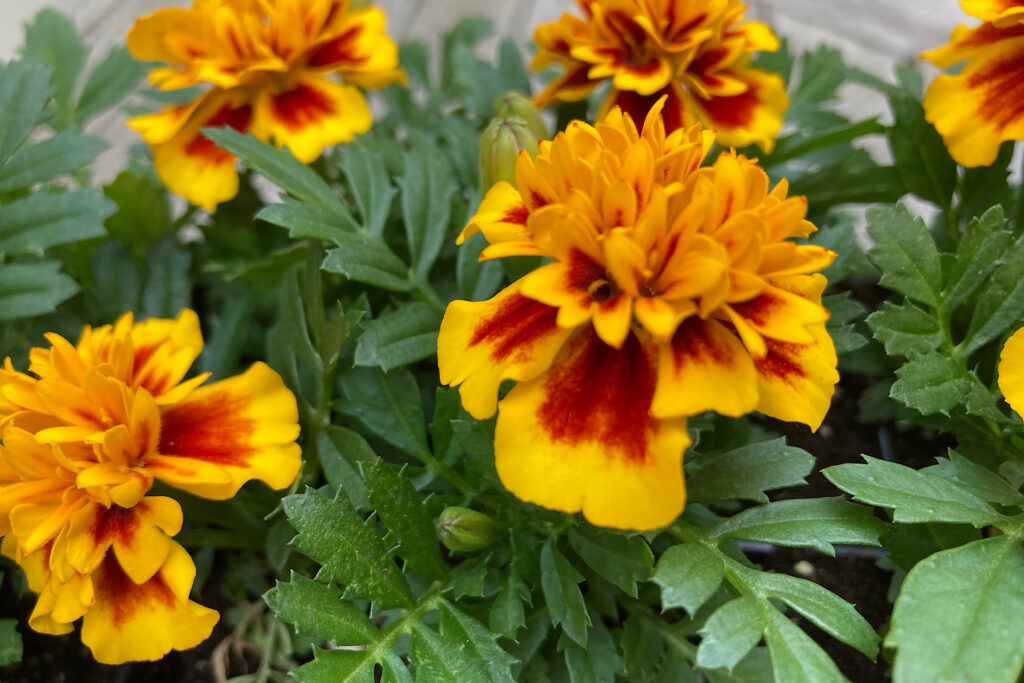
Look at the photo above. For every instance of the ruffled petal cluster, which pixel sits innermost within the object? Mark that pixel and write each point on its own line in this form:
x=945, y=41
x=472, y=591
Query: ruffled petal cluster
x=697, y=54
x=982, y=106
x=83, y=436
x=269, y=67
x=672, y=289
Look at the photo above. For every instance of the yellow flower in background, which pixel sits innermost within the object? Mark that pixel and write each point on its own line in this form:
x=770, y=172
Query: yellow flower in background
x=270, y=64
x=697, y=54
x=978, y=109
x=673, y=290
x=1011, y=371
x=85, y=435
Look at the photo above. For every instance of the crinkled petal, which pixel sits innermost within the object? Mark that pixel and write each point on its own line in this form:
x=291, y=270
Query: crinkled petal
x=132, y=622
x=246, y=425
x=983, y=106
x=580, y=437
x=754, y=116
x=483, y=343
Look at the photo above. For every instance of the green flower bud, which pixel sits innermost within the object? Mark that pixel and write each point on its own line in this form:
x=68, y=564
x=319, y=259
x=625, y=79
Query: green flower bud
x=465, y=530
x=499, y=148
x=514, y=104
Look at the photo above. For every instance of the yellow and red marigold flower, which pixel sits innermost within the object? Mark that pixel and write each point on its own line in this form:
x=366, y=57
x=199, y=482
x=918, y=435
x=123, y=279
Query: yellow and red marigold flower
x=983, y=106
x=673, y=290
x=697, y=54
x=82, y=439
x=269, y=63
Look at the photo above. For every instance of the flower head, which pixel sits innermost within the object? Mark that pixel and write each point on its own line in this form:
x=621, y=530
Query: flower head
x=697, y=54
x=981, y=107
x=82, y=440
x=673, y=290
x=267, y=64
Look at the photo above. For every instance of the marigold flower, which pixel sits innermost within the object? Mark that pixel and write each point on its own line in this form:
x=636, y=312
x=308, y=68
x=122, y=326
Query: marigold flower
x=673, y=290
x=269, y=62
x=1011, y=371
x=980, y=108
x=697, y=54
x=83, y=439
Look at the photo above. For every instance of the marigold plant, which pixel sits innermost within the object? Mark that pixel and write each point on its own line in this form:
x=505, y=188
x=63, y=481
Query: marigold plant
x=696, y=54
x=980, y=107
x=84, y=436
x=673, y=291
x=268, y=68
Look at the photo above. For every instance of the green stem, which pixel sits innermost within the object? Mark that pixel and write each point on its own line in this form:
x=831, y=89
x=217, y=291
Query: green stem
x=426, y=292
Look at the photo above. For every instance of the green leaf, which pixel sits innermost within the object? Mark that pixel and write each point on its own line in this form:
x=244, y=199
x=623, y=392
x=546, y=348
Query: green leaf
x=747, y=472
x=65, y=152
x=795, y=657
x=905, y=330
x=845, y=312
x=598, y=662
x=920, y=155
x=400, y=337
x=756, y=667
x=389, y=404
x=908, y=544
x=115, y=282
x=507, y=615
x=822, y=71
x=905, y=253
x=337, y=666
x=51, y=38
x=443, y=658
x=42, y=220
x=930, y=383
x=799, y=146
x=958, y=615
x=977, y=480
x=804, y=522
x=278, y=165
x=317, y=221
x=167, y=289
x=107, y=84
x=643, y=648
x=559, y=582
x=320, y=611
x=512, y=67
x=979, y=252
x=1001, y=301
x=620, y=559
x=10, y=642
x=349, y=548
x=368, y=177
x=427, y=189
x=401, y=509
x=24, y=89
x=477, y=440
x=688, y=574
x=847, y=183
x=468, y=579
x=143, y=214
x=480, y=643
x=364, y=259
x=341, y=451
x=29, y=289
x=824, y=609
x=914, y=496
x=730, y=633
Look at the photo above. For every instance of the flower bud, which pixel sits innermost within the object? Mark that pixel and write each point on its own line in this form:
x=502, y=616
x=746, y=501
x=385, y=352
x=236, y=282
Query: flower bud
x=465, y=530
x=514, y=104
x=499, y=148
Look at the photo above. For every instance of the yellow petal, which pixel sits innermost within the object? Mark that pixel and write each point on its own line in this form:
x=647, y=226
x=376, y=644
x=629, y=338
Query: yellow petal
x=796, y=381
x=704, y=367
x=754, y=116
x=131, y=622
x=580, y=437
x=246, y=425
x=483, y=343
x=1011, y=371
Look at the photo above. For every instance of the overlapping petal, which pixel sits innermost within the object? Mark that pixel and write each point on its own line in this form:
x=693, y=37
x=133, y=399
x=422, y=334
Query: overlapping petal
x=270, y=69
x=672, y=290
x=695, y=54
x=84, y=435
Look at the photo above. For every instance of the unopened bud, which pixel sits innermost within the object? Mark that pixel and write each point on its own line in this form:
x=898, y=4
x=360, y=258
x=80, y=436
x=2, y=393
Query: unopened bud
x=465, y=530
x=499, y=148
x=514, y=104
